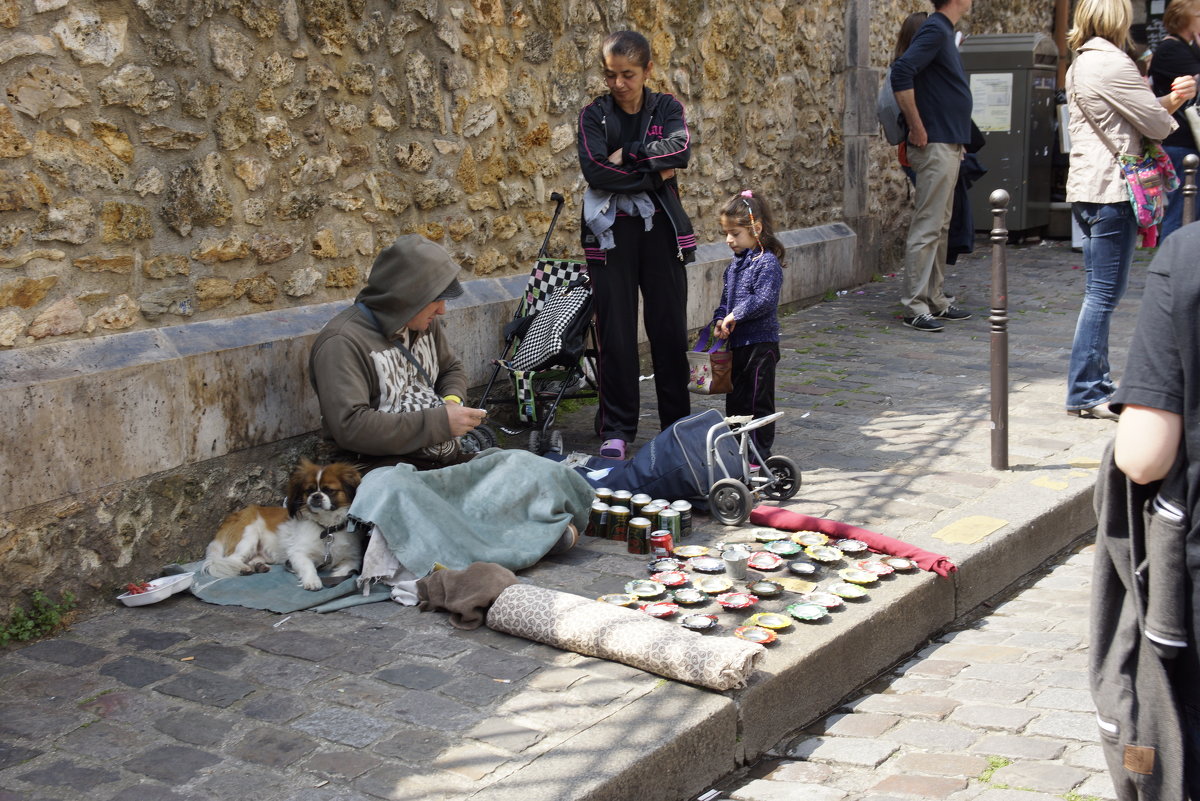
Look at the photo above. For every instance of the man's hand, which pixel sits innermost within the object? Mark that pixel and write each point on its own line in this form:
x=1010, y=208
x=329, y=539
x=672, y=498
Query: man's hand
x=463, y=418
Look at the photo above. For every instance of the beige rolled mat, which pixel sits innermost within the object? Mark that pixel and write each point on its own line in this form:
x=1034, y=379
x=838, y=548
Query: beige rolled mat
x=594, y=628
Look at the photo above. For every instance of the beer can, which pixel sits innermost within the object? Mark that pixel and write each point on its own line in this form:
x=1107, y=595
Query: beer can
x=621, y=498
x=651, y=511
x=618, y=523
x=604, y=494
x=638, y=502
x=685, y=517
x=663, y=502
x=639, y=536
x=661, y=544
x=597, y=525
x=669, y=520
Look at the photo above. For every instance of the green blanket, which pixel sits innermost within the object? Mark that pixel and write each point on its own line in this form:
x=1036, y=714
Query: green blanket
x=506, y=507
x=278, y=591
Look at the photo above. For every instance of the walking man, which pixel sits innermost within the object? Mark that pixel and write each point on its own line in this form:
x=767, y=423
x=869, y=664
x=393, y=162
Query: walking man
x=932, y=91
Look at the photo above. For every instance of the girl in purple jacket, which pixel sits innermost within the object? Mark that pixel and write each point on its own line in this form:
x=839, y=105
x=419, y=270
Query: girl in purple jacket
x=748, y=314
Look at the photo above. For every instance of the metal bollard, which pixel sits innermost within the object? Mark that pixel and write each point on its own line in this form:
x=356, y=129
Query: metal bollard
x=1190, y=163
x=999, y=322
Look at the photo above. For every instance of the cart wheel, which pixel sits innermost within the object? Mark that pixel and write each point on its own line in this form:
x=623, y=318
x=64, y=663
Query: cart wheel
x=477, y=439
x=554, y=442
x=785, y=478
x=535, y=441
x=730, y=501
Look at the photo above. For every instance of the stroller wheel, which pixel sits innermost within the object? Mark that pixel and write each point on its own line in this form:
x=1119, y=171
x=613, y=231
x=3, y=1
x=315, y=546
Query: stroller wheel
x=785, y=478
x=543, y=442
x=477, y=439
x=729, y=500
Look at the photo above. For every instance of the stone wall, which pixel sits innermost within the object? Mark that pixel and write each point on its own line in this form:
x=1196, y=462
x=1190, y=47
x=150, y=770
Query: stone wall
x=172, y=160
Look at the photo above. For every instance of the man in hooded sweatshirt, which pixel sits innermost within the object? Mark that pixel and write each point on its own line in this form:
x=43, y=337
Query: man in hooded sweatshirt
x=389, y=386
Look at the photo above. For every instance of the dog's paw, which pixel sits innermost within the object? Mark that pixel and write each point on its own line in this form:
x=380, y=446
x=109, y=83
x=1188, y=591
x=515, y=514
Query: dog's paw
x=261, y=568
x=311, y=584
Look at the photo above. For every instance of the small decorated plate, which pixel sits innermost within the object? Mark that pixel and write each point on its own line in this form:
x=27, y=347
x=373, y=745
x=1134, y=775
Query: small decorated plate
x=659, y=609
x=823, y=553
x=876, y=566
x=769, y=620
x=707, y=564
x=765, y=589
x=851, y=546
x=807, y=538
x=699, y=622
x=713, y=584
x=670, y=578
x=769, y=534
x=782, y=547
x=764, y=560
x=807, y=611
x=688, y=595
x=737, y=600
x=754, y=634
x=158, y=589
x=801, y=568
x=618, y=599
x=689, y=551
x=899, y=563
x=825, y=599
x=856, y=576
x=663, y=565
x=645, y=588
x=844, y=589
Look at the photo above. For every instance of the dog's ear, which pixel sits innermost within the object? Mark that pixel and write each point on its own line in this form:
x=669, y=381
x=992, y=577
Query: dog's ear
x=350, y=477
x=295, y=490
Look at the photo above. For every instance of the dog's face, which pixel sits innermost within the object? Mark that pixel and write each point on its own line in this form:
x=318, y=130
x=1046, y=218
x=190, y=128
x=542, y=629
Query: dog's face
x=321, y=489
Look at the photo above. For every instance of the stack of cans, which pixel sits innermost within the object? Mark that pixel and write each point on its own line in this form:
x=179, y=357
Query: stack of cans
x=634, y=519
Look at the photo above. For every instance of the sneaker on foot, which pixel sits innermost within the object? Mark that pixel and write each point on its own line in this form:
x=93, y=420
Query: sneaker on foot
x=952, y=312
x=613, y=449
x=923, y=322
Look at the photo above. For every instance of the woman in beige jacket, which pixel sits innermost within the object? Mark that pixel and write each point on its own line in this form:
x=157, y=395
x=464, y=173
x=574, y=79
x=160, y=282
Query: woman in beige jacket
x=1106, y=91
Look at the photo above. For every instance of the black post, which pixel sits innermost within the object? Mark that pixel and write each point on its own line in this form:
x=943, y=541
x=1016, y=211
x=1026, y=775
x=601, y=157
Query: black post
x=1190, y=163
x=999, y=321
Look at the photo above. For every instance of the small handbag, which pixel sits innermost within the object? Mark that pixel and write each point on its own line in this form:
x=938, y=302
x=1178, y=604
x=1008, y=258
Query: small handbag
x=710, y=367
x=1148, y=177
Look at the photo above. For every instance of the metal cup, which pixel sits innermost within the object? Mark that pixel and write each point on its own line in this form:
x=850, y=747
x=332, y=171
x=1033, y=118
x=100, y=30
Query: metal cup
x=735, y=562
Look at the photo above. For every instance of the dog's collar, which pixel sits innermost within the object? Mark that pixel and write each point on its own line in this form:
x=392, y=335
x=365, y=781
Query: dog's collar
x=329, y=531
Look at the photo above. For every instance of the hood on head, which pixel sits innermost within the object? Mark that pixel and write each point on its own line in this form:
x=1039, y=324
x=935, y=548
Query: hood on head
x=406, y=277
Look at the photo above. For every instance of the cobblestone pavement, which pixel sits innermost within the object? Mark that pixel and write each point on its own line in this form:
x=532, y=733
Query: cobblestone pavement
x=997, y=709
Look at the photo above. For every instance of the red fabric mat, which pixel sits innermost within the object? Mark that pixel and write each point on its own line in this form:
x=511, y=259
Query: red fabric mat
x=784, y=520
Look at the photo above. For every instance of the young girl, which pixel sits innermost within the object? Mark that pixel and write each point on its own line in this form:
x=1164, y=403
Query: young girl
x=747, y=316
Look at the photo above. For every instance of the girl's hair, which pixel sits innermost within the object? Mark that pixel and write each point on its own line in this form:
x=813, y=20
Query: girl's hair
x=630, y=44
x=908, y=29
x=1178, y=16
x=1108, y=19
x=747, y=209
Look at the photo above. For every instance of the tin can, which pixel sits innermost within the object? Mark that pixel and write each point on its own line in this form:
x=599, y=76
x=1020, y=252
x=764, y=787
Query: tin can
x=638, y=502
x=622, y=498
x=597, y=525
x=685, y=517
x=661, y=544
x=651, y=512
x=618, y=523
x=663, y=502
x=604, y=494
x=668, y=520
x=638, y=540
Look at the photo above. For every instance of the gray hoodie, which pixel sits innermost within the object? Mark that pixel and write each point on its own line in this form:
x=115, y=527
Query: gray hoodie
x=373, y=400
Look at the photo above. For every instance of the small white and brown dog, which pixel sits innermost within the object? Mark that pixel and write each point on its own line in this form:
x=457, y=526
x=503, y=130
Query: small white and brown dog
x=310, y=532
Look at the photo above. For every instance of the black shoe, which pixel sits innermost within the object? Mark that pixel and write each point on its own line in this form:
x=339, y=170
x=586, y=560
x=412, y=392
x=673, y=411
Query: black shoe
x=953, y=313
x=923, y=322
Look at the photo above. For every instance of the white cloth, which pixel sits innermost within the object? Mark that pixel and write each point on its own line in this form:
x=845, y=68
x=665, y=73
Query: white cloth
x=380, y=564
x=600, y=212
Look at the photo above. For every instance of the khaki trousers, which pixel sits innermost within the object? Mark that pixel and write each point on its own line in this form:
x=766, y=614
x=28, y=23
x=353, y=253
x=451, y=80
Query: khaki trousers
x=936, y=166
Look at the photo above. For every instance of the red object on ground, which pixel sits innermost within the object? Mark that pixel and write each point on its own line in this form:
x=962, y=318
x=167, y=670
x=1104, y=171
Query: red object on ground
x=784, y=520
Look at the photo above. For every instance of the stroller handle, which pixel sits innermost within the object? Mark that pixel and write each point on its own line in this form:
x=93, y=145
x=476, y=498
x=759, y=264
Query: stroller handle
x=558, y=204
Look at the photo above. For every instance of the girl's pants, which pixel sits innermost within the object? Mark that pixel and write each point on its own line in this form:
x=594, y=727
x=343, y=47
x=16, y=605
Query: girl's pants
x=754, y=389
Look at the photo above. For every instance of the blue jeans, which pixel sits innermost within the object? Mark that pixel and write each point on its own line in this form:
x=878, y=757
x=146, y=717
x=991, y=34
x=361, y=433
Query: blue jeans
x=1109, y=236
x=1173, y=216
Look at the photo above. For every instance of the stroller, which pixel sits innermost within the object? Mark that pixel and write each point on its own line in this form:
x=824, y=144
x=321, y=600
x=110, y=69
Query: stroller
x=549, y=348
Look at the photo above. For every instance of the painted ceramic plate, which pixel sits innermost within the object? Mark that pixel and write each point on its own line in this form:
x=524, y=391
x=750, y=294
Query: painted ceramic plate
x=769, y=534
x=689, y=595
x=783, y=547
x=825, y=599
x=802, y=568
x=844, y=589
x=856, y=576
x=764, y=560
x=688, y=551
x=875, y=566
x=769, y=620
x=765, y=589
x=160, y=588
x=807, y=611
x=707, y=564
x=851, y=546
x=618, y=599
x=663, y=565
x=754, y=634
x=713, y=584
x=698, y=622
x=659, y=609
x=670, y=578
x=807, y=538
x=737, y=600
x=899, y=563
x=645, y=588
x=823, y=553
